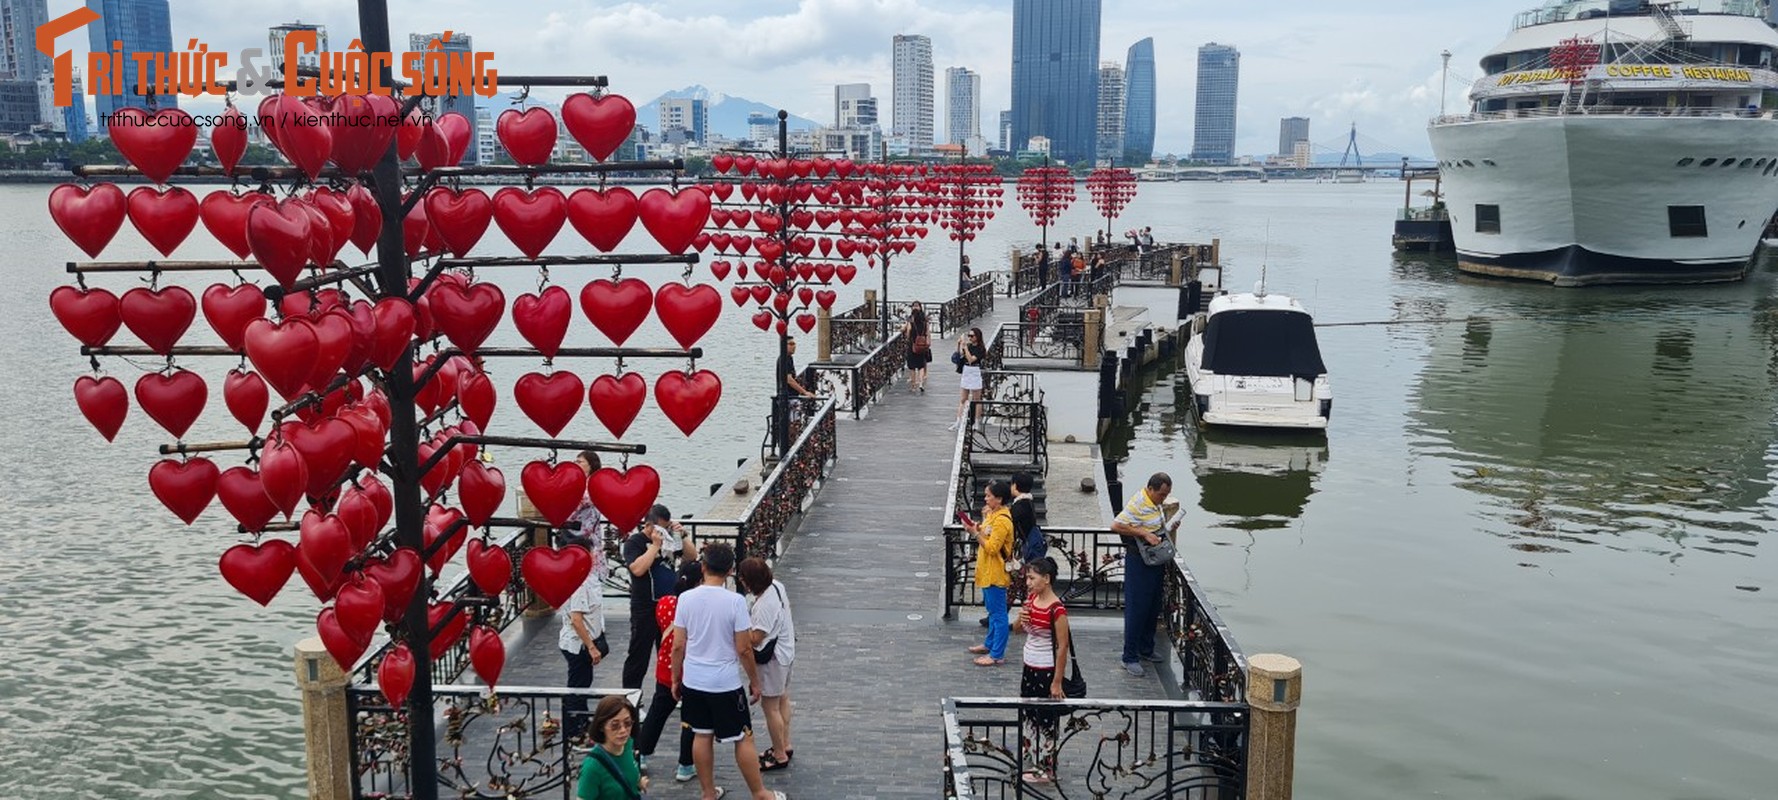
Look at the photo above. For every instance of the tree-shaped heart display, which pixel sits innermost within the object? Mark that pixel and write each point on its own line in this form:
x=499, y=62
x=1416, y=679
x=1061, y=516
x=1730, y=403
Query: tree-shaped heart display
x=1111, y=188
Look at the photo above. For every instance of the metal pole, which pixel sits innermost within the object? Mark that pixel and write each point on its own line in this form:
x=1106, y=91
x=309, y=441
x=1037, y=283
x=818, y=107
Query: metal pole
x=883, y=326
x=1443, y=78
x=781, y=408
x=403, y=454
x=963, y=206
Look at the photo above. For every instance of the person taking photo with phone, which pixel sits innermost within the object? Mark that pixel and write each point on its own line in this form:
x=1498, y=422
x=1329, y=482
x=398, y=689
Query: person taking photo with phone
x=993, y=539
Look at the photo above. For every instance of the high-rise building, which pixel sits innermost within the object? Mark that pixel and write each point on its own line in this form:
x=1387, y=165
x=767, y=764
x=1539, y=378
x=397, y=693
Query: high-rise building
x=1055, y=76
x=1290, y=131
x=912, y=89
x=846, y=97
x=304, y=59
x=1139, y=103
x=688, y=114
x=1219, y=78
x=487, y=139
x=19, y=58
x=1111, y=111
x=461, y=103
x=1006, y=131
x=963, y=105
x=142, y=26
x=762, y=130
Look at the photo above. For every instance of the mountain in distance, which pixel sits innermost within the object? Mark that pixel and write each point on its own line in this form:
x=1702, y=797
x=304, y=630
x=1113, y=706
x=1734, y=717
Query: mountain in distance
x=728, y=114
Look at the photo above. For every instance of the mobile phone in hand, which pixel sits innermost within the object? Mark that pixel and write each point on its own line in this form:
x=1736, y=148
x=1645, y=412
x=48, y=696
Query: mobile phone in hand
x=963, y=517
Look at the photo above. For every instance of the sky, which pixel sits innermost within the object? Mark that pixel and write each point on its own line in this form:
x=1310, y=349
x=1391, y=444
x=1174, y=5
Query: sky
x=1373, y=64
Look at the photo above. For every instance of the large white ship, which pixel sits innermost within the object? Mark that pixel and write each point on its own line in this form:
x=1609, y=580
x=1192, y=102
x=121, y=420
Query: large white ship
x=1618, y=141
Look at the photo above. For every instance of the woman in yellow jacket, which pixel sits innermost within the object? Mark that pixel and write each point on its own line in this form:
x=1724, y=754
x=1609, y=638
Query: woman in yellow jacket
x=993, y=538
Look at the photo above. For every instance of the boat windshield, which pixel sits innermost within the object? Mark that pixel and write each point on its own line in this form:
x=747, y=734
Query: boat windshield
x=1563, y=10
x=1263, y=343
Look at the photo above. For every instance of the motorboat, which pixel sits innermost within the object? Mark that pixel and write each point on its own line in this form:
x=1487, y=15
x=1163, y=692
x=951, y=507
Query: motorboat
x=1253, y=362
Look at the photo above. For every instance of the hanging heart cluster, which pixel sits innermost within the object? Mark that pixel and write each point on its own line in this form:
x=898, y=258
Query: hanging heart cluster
x=1111, y=188
x=1046, y=192
x=968, y=196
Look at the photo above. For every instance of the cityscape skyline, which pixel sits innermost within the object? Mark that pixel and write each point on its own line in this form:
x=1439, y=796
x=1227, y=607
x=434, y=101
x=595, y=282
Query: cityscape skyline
x=1215, y=110
x=797, y=50
x=1055, y=76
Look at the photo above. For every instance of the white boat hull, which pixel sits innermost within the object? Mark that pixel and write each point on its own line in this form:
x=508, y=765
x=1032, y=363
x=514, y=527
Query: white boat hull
x=1584, y=199
x=1247, y=401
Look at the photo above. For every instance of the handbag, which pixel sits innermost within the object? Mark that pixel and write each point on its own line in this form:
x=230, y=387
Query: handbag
x=602, y=644
x=604, y=760
x=1156, y=555
x=923, y=344
x=764, y=655
x=1074, y=686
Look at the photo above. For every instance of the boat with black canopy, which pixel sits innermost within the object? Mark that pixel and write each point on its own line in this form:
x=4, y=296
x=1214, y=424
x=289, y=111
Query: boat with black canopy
x=1253, y=362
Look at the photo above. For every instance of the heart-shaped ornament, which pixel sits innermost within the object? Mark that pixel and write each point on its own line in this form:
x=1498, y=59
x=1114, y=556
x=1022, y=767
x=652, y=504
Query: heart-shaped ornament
x=549, y=400
x=688, y=312
x=258, y=571
x=490, y=567
x=481, y=489
x=688, y=399
x=554, y=574
x=555, y=490
x=184, y=487
x=399, y=575
x=603, y=217
x=600, y=124
x=528, y=135
x=623, y=497
x=91, y=315
x=617, y=400
x=616, y=308
x=88, y=217
x=543, y=318
x=174, y=400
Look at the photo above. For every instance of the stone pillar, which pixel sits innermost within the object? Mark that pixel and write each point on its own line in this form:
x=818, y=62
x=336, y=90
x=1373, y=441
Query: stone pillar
x=1093, y=320
x=325, y=733
x=539, y=538
x=1177, y=276
x=824, y=330
x=1216, y=252
x=1274, y=690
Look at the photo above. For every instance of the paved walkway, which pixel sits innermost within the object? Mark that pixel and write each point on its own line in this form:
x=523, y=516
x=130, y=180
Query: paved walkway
x=873, y=655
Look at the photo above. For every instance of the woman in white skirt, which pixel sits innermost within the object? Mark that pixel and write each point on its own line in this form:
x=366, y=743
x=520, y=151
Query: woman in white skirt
x=968, y=359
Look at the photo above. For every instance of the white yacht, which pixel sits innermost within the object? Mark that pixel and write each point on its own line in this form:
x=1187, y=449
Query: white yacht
x=1618, y=141
x=1253, y=362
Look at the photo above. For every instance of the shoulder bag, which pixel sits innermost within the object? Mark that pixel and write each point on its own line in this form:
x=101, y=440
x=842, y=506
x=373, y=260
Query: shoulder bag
x=923, y=344
x=604, y=760
x=1156, y=555
x=764, y=655
x=1074, y=686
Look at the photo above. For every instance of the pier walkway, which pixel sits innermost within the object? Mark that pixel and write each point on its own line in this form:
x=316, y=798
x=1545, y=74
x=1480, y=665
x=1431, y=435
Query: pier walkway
x=865, y=573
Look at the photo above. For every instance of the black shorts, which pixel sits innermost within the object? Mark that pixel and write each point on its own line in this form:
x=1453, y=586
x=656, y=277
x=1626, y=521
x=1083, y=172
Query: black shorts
x=722, y=714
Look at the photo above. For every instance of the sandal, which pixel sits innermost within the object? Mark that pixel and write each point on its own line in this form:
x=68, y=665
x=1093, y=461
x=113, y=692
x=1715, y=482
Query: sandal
x=988, y=661
x=1037, y=777
x=771, y=762
x=980, y=649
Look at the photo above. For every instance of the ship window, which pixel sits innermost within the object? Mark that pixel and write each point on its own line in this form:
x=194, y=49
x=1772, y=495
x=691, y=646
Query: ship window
x=1685, y=162
x=1746, y=162
x=1489, y=162
x=1487, y=218
x=1686, y=221
x=1468, y=163
x=1728, y=162
x=1707, y=162
x=1760, y=163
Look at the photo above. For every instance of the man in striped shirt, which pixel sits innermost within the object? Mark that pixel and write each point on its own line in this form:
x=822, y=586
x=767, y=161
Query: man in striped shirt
x=1142, y=520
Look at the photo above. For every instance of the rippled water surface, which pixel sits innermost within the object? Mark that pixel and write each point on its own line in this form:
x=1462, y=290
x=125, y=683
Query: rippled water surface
x=1526, y=562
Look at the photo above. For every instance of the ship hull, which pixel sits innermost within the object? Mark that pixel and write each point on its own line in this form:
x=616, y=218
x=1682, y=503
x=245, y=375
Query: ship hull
x=1584, y=200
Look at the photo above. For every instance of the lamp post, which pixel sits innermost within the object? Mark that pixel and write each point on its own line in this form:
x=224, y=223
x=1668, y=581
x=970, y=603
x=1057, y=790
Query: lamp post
x=1444, y=76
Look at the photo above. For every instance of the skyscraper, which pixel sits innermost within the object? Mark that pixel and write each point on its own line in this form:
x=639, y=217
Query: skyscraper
x=1219, y=77
x=912, y=89
x=1139, y=103
x=1006, y=131
x=1111, y=110
x=142, y=26
x=691, y=115
x=461, y=103
x=19, y=58
x=1055, y=75
x=853, y=106
x=963, y=105
x=303, y=59
x=1290, y=131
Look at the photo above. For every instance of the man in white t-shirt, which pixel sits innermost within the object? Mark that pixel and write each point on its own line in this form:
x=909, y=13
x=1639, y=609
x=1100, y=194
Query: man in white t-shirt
x=712, y=648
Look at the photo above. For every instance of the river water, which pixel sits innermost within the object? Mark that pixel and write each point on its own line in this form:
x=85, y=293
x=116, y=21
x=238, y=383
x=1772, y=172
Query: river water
x=1526, y=562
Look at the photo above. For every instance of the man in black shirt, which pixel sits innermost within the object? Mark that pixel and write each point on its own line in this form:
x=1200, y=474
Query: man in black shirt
x=641, y=550
x=787, y=371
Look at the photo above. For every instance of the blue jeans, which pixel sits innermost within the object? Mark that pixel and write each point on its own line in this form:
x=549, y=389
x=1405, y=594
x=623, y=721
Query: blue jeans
x=1142, y=606
x=994, y=597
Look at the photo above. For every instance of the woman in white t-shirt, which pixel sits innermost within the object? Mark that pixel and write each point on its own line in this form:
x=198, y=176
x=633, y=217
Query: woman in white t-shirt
x=773, y=629
x=583, y=623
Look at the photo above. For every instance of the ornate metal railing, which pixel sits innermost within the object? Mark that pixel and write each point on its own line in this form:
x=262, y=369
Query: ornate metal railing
x=1006, y=386
x=996, y=346
x=958, y=312
x=503, y=745
x=853, y=336
x=854, y=386
x=1063, y=339
x=1214, y=668
x=1125, y=749
x=792, y=484
x=1050, y=297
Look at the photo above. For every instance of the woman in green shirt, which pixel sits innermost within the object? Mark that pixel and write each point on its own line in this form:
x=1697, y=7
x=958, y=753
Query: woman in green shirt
x=610, y=771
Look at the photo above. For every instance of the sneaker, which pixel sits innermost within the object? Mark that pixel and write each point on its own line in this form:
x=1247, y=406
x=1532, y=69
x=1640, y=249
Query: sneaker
x=1134, y=668
x=685, y=773
x=1155, y=657
x=953, y=425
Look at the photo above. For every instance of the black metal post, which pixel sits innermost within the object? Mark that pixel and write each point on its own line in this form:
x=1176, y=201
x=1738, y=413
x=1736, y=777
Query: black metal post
x=965, y=200
x=781, y=403
x=883, y=326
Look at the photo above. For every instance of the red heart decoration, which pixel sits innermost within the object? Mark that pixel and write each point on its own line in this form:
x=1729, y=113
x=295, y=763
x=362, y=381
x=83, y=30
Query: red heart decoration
x=395, y=675
x=158, y=316
x=722, y=162
x=322, y=551
x=367, y=436
x=719, y=269
x=603, y=217
x=457, y=130
x=333, y=337
x=846, y=272
x=447, y=624
x=616, y=308
x=243, y=495
x=392, y=331
x=624, y=497
x=688, y=312
x=825, y=298
x=103, y=402
x=336, y=207
x=687, y=400
x=174, y=401
x=554, y=574
x=258, y=572
x=489, y=567
x=532, y=219
x=555, y=491
x=284, y=474
x=481, y=489
x=408, y=134
x=476, y=398
x=528, y=135
x=550, y=401
x=278, y=237
x=367, y=218
x=740, y=294
x=358, y=605
x=617, y=401
x=360, y=143
x=466, y=315
x=345, y=650
x=163, y=216
x=806, y=322
x=761, y=292
x=185, y=488
x=487, y=654
x=543, y=318
x=434, y=150
x=674, y=219
x=460, y=217
x=91, y=315
x=303, y=136
x=245, y=395
x=228, y=140
x=230, y=309
x=399, y=575
x=359, y=514
x=763, y=319
x=600, y=124
x=326, y=448
x=156, y=148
